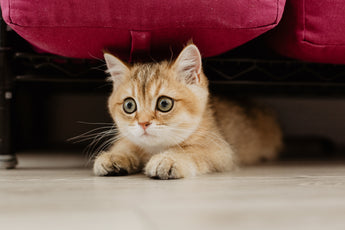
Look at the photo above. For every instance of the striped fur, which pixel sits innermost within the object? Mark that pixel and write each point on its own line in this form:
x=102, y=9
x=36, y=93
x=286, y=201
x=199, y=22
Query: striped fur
x=186, y=140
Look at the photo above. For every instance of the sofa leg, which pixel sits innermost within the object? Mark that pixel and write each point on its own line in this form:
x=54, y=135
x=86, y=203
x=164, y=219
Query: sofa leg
x=8, y=159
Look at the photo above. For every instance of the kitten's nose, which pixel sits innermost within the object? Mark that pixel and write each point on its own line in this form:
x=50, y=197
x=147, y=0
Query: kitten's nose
x=145, y=124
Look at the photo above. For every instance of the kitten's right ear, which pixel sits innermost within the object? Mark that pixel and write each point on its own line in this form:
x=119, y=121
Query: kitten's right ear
x=188, y=65
x=116, y=68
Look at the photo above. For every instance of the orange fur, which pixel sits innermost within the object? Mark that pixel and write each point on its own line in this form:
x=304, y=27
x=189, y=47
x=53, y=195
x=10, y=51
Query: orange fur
x=185, y=141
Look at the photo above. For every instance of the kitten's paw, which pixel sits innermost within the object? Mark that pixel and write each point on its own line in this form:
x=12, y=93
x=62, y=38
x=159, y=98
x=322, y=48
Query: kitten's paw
x=164, y=166
x=115, y=165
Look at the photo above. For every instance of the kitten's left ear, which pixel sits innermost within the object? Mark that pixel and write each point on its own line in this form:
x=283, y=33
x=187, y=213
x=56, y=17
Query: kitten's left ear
x=188, y=64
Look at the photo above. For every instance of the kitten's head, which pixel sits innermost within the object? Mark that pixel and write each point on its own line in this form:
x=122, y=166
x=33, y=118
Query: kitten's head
x=158, y=104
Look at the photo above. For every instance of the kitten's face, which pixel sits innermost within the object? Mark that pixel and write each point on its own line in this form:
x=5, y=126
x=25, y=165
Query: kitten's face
x=159, y=105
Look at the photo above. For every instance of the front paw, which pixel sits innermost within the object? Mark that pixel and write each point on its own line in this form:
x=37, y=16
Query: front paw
x=164, y=166
x=108, y=164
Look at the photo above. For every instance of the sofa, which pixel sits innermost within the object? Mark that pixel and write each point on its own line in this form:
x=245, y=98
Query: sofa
x=293, y=33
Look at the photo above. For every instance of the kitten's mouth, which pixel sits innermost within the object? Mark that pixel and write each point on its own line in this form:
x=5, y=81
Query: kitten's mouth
x=146, y=134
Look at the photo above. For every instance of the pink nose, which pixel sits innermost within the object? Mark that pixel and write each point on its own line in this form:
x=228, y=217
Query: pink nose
x=144, y=125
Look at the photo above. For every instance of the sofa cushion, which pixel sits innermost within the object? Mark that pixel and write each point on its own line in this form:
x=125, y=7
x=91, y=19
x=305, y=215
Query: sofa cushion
x=312, y=30
x=76, y=28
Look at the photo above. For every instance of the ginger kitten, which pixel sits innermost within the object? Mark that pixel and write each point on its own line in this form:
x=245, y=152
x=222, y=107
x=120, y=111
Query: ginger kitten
x=167, y=126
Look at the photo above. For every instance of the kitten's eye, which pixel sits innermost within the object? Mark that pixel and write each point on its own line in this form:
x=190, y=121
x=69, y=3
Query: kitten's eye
x=129, y=105
x=165, y=104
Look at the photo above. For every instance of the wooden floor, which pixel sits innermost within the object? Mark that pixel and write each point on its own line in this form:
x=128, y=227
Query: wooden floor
x=57, y=191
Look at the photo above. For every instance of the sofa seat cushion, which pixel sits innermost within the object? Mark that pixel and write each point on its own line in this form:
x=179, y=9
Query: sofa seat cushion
x=82, y=29
x=312, y=30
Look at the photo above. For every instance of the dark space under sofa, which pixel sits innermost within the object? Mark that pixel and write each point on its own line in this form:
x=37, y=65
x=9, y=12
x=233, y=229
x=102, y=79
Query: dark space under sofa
x=255, y=47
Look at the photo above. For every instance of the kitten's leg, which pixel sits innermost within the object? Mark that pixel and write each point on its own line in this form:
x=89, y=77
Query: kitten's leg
x=122, y=159
x=175, y=163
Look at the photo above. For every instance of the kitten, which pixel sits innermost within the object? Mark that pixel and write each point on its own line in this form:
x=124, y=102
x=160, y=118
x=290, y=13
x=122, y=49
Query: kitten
x=167, y=125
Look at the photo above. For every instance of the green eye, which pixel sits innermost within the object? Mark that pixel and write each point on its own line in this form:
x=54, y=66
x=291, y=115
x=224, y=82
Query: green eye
x=129, y=105
x=165, y=104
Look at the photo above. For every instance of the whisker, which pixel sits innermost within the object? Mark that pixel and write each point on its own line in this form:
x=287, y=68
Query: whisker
x=100, y=138
x=92, y=136
x=104, y=146
x=93, y=130
x=92, y=146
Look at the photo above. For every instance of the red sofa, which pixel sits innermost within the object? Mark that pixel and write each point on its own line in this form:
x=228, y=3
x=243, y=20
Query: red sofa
x=78, y=29
x=311, y=30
